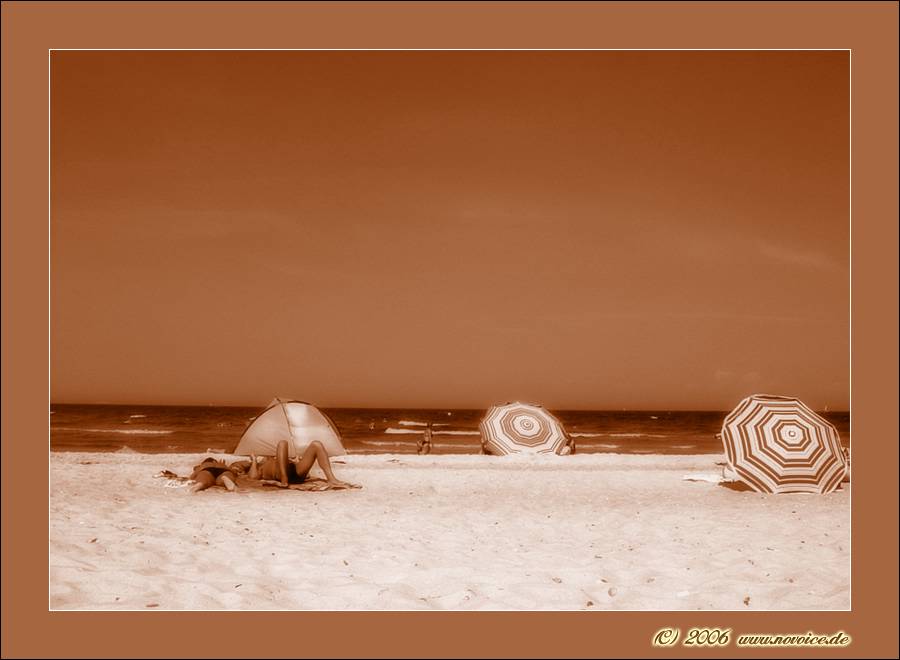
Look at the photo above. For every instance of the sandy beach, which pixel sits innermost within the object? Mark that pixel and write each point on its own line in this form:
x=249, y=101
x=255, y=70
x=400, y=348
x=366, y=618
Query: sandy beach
x=583, y=532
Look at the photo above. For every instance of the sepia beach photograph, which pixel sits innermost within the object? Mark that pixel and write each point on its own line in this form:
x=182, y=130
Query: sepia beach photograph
x=466, y=330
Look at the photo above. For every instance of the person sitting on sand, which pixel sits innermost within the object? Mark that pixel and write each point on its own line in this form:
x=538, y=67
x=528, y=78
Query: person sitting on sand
x=569, y=448
x=212, y=472
x=288, y=471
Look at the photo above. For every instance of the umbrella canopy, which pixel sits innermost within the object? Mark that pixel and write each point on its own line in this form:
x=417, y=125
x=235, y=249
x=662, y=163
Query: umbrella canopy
x=296, y=422
x=776, y=444
x=520, y=428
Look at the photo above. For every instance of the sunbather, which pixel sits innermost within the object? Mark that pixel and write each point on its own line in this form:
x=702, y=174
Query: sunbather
x=287, y=471
x=212, y=472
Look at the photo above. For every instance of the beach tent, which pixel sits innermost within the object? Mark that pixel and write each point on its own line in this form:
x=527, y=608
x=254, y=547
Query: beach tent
x=297, y=422
x=776, y=444
x=521, y=428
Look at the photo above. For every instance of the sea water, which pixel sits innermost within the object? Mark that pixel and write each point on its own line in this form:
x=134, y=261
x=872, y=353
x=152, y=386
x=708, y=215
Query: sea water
x=194, y=429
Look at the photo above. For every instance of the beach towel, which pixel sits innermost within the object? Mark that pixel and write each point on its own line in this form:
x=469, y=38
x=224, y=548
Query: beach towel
x=311, y=484
x=725, y=480
x=704, y=476
x=172, y=480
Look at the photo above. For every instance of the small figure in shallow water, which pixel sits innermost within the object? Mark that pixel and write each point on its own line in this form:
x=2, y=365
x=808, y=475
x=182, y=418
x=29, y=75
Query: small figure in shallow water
x=423, y=446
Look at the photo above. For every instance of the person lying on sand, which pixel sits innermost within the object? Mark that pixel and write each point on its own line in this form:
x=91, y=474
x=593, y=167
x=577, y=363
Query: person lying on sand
x=212, y=472
x=288, y=471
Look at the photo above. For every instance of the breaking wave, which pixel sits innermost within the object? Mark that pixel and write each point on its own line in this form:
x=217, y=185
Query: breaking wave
x=125, y=431
x=618, y=435
x=457, y=432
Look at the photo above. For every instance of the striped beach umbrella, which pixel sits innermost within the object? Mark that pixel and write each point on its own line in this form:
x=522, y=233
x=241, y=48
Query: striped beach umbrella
x=776, y=444
x=520, y=428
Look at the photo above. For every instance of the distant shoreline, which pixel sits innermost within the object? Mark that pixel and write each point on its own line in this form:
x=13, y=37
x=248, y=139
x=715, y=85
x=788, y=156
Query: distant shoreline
x=155, y=429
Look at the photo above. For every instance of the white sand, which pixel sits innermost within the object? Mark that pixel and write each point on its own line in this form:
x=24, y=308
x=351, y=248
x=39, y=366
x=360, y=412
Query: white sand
x=444, y=532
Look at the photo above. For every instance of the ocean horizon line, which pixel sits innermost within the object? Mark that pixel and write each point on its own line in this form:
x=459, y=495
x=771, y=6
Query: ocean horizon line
x=411, y=408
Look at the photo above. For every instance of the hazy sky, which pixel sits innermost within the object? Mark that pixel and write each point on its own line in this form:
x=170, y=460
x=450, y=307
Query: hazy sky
x=578, y=229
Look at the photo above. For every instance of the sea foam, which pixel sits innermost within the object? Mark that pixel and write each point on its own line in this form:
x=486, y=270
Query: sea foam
x=125, y=431
x=457, y=432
